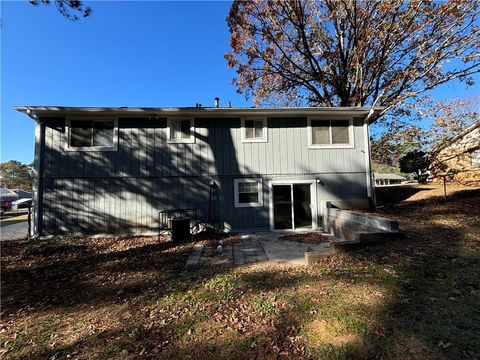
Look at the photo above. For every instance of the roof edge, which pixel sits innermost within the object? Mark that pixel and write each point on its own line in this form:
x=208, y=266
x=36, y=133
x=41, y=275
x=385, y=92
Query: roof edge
x=195, y=111
x=461, y=134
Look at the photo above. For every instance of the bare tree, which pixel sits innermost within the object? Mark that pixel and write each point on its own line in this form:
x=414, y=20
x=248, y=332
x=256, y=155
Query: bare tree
x=71, y=9
x=351, y=52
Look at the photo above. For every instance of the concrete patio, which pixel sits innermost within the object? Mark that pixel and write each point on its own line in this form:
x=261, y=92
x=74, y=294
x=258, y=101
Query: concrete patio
x=257, y=248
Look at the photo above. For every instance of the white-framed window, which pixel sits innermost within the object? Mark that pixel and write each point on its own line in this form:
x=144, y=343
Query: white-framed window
x=248, y=192
x=476, y=158
x=92, y=134
x=181, y=130
x=254, y=130
x=330, y=133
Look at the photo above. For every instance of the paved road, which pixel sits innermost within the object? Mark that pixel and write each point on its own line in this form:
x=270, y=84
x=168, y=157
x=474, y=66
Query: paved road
x=14, y=231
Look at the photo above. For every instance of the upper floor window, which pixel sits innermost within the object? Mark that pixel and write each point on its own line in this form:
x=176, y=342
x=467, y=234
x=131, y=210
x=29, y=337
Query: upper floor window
x=181, y=131
x=476, y=158
x=254, y=130
x=330, y=133
x=92, y=135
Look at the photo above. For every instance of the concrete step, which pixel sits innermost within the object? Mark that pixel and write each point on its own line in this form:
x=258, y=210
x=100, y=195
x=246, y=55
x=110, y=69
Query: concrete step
x=377, y=237
x=341, y=246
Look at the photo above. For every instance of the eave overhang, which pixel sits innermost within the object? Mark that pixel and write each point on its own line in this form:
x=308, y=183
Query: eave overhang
x=199, y=112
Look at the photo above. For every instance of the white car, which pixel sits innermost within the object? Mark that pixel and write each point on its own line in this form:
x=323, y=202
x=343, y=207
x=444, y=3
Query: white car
x=21, y=204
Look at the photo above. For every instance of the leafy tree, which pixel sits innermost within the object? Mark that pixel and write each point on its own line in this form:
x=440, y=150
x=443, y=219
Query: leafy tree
x=446, y=118
x=415, y=162
x=15, y=175
x=391, y=146
x=351, y=52
x=71, y=9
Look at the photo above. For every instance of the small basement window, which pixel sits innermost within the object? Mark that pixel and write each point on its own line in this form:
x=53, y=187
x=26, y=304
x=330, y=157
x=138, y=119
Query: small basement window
x=248, y=192
x=330, y=133
x=254, y=130
x=181, y=131
x=92, y=135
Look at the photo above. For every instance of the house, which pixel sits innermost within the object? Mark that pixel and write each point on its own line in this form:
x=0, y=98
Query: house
x=461, y=154
x=112, y=169
x=387, y=179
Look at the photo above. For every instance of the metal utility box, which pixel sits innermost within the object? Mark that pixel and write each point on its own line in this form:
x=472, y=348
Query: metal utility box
x=181, y=229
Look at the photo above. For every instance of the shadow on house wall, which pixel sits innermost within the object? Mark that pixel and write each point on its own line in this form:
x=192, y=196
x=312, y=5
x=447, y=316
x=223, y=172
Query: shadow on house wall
x=122, y=191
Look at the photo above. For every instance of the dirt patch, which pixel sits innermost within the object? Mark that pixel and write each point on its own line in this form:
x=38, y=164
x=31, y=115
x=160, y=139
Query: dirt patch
x=332, y=333
x=307, y=238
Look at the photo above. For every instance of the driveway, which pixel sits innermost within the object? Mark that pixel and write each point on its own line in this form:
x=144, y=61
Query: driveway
x=14, y=231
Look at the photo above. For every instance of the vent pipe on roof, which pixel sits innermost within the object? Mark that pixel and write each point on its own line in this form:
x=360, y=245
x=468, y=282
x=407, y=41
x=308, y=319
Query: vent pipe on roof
x=217, y=102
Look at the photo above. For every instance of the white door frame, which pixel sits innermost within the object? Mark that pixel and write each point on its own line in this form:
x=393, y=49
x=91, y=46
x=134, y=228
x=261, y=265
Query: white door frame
x=313, y=201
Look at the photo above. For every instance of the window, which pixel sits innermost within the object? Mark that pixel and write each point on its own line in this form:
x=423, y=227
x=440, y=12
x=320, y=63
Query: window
x=181, y=131
x=92, y=135
x=248, y=192
x=476, y=158
x=330, y=133
x=254, y=130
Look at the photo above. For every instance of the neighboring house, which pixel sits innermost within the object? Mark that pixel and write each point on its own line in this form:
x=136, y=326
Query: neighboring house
x=460, y=154
x=111, y=170
x=388, y=179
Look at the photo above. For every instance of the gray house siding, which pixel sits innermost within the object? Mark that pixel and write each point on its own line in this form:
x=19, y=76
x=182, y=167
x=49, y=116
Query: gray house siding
x=122, y=191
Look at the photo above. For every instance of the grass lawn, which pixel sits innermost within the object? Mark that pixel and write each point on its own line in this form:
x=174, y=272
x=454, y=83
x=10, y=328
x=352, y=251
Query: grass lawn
x=130, y=298
x=10, y=219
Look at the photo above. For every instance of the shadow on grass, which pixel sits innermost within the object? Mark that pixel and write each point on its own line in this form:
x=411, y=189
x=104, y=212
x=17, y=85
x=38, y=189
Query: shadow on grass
x=433, y=276
x=391, y=196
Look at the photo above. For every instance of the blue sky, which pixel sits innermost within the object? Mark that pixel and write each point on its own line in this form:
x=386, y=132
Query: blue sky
x=125, y=54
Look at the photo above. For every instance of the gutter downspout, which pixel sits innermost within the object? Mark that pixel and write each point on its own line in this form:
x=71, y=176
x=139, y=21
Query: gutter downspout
x=38, y=178
x=368, y=165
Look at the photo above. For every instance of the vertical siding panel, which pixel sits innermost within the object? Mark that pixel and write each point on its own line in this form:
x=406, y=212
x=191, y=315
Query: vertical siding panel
x=247, y=165
x=137, y=145
x=150, y=149
x=297, y=160
x=261, y=158
x=167, y=155
x=211, y=148
x=239, y=154
x=119, y=154
x=201, y=145
x=237, y=150
x=159, y=149
x=225, y=128
x=270, y=147
x=197, y=156
x=58, y=158
x=304, y=147
x=48, y=152
x=277, y=162
x=55, y=160
x=283, y=149
x=218, y=150
x=140, y=149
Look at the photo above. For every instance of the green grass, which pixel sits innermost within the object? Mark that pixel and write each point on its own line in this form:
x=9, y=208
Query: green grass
x=264, y=306
x=413, y=299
